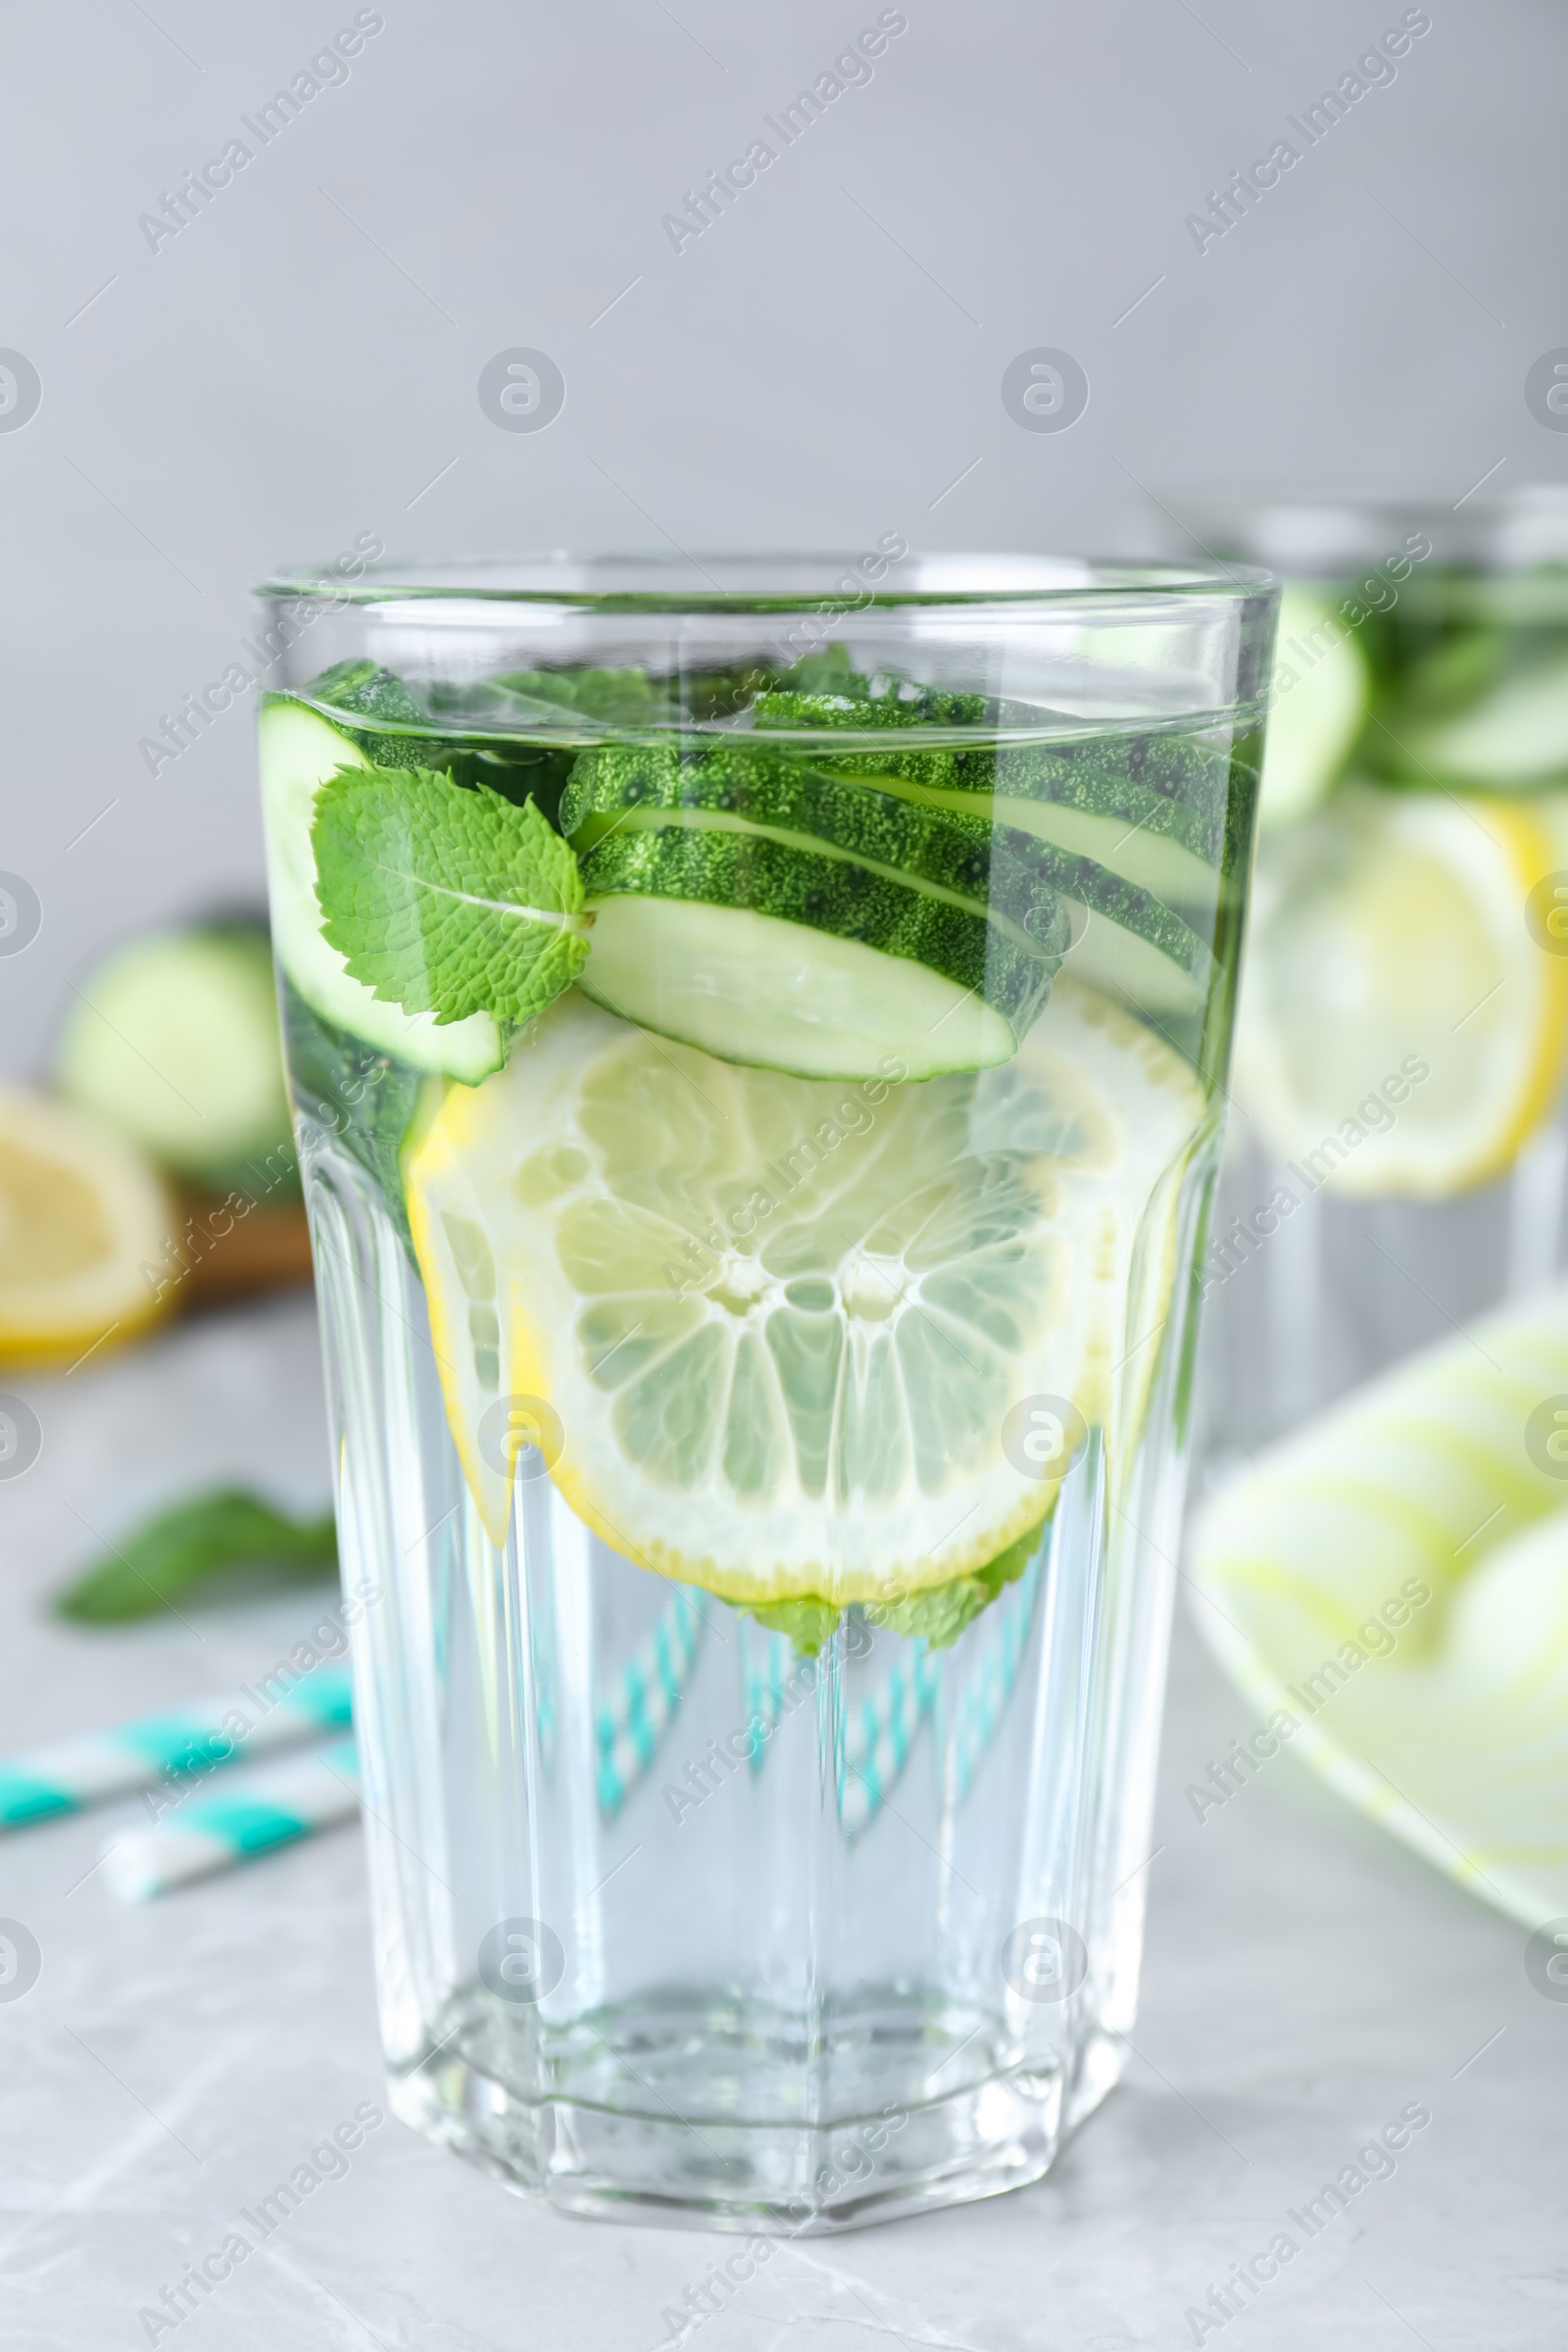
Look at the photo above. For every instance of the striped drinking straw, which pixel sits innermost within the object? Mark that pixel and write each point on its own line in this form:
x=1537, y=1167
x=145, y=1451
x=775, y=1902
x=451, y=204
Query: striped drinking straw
x=632, y=1721
x=170, y=1748
x=983, y=1700
x=878, y=1736
x=258, y=1813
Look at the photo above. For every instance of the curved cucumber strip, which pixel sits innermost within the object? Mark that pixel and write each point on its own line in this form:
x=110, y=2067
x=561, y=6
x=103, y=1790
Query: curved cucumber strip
x=956, y=861
x=1021, y=885
x=1130, y=847
x=298, y=752
x=807, y=1004
x=1121, y=964
x=1319, y=706
x=753, y=987
x=1516, y=733
x=1144, y=836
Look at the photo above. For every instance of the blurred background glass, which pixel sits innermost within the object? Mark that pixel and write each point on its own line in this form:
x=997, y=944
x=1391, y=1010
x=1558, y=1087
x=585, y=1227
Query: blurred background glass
x=1399, y=1144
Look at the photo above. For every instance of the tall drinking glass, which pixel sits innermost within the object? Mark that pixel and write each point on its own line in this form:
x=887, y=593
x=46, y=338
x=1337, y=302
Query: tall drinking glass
x=756, y=1032
x=1400, y=1157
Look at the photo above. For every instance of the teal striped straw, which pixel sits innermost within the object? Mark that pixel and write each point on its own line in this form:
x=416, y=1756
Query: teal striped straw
x=267, y=1810
x=632, y=1721
x=763, y=1682
x=878, y=1736
x=983, y=1699
x=881, y=1731
x=171, y=1748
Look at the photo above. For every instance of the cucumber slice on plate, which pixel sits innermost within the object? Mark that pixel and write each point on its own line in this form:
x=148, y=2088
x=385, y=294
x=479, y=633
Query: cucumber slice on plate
x=173, y=1041
x=1321, y=690
x=791, y=961
x=298, y=752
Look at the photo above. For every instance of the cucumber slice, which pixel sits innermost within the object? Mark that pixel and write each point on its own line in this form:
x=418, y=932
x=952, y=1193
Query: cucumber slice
x=752, y=988
x=298, y=752
x=1321, y=690
x=775, y=955
x=1516, y=733
x=174, y=1040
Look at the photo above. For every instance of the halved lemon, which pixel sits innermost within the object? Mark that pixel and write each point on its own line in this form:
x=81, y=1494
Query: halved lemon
x=82, y=1216
x=767, y=1332
x=1401, y=1029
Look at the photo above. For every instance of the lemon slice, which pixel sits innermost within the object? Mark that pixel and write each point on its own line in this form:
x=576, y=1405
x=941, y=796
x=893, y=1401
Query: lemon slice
x=1389, y=1587
x=1401, y=1029
x=81, y=1215
x=767, y=1331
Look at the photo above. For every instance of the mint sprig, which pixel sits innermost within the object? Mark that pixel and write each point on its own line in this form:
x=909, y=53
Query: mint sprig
x=195, y=1541
x=936, y=1615
x=446, y=897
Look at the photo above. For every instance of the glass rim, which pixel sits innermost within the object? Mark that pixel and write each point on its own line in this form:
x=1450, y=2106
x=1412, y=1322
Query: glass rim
x=842, y=587
x=1509, y=530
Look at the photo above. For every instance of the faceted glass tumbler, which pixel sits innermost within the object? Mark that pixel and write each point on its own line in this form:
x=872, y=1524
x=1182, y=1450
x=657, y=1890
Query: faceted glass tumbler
x=760, y=1378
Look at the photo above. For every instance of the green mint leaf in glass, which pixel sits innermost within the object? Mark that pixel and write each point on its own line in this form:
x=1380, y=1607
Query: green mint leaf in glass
x=940, y=1614
x=936, y=1616
x=226, y=1529
x=805, y=1624
x=445, y=897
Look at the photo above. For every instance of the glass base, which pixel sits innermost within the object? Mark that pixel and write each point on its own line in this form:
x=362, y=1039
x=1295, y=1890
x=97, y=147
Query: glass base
x=676, y=1923
x=703, y=2169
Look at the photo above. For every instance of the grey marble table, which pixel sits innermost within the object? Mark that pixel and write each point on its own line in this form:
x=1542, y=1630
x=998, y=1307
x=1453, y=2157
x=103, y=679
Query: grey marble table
x=1305, y=1982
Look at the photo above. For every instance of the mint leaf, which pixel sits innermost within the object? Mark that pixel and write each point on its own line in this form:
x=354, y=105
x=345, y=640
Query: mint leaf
x=940, y=1614
x=228, y=1528
x=936, y=1616
x=446, y=897
x=806, y=1624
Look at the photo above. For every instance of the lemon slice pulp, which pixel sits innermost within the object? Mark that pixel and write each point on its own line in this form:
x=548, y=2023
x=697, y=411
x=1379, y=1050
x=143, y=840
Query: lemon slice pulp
x=1401, y=1029
x=767, y=1330
x=81, y=1215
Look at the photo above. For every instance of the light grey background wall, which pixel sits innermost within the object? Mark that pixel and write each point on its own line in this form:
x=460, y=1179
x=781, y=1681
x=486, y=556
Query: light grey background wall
x=300, y=364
